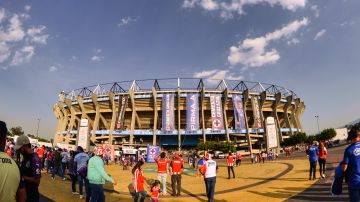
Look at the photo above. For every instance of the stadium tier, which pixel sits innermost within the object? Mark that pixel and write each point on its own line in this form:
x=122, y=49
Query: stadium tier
x=180, y=112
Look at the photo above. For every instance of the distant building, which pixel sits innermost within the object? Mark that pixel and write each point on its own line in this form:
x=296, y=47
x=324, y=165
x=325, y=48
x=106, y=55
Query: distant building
x=341, y=134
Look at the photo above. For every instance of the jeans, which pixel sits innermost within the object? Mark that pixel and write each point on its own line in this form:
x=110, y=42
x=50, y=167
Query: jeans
x=354, y=195
x=73, y=182
x=81, y=182
x=210, y=188
x=232, y=170
x=162, y=178
x=63, y=168
x=97, y=193
x=322, y=163
x=238, y=162
x=312, y=169
x=57, y=170
x=176, y=183
x=48, y=165
x=142, y=198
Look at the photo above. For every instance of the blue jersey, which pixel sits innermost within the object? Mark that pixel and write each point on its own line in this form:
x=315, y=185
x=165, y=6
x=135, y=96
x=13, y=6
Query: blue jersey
x=352, y=159
x=313, y=153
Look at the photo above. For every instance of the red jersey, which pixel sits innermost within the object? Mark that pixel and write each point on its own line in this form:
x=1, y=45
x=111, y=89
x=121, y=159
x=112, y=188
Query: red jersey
x=41, y=152
x=162, y=165
x=322, y=153
x=176, y=166
x=239, y=156
x=139, y=180
x=8, y=152
x=49, y=155
x=155, y=192
x=230, y=160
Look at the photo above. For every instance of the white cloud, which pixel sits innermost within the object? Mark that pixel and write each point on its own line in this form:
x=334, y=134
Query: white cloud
x=23, y=55
x=27, y=8
x=4, y=52
x=73, y=58
x=126, y=20
x=293, y=41
x=217, y=74
x=98, y=50
x=252, y=51
x=36, y=35
x=2, y=14
x=14, y=31
x=320, y=34
x=96, y=58
x=316, y=10
x=53, y=68
x=228, y=8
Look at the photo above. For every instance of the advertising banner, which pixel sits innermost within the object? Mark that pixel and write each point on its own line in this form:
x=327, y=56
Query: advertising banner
x=256, y=111
x=123, y=102
x=216, y=112
x=83, y=138
x=152, y=152
x=271, y=132
x=108, y=150
x=192, y=111
x=98, y=150
x=238, y=112
x=168, y=122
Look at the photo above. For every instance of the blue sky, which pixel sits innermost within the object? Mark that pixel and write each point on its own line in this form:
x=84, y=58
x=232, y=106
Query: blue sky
x=310, y=47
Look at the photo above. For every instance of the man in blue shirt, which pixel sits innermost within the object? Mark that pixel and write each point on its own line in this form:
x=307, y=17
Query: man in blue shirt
x=351, y=164
x=312, y=152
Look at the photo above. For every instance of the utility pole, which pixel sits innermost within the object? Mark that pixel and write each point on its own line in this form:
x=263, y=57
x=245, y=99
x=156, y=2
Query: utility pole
x=37, y=130
x=317, y=119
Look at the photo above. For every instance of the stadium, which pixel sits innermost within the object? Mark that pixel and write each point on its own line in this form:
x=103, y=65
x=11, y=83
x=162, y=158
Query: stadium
x=180, y=113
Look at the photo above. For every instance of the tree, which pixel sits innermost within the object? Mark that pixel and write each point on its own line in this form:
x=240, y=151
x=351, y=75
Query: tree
x=326, y=134
x=299, y=138
x=311, y=139
x=16, y=131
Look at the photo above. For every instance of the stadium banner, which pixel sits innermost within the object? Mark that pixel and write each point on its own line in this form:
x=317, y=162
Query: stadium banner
x=216, y=112
x=123, y=102
x=192, y=111
x=152, y=153
x=108, y=150
x=257, y=113
x=83, y=137
x=168, y=122
x=271, y=133
x=238, y=112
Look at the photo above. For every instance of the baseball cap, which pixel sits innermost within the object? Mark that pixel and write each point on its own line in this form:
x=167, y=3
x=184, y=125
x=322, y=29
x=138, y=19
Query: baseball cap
x=21, y=141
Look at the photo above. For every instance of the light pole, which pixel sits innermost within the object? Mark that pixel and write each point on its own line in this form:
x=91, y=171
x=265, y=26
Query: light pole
x=317, y=119
x=37, y=130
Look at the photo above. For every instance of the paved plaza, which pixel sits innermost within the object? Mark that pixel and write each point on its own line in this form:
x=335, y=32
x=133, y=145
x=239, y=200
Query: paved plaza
x=280, y=180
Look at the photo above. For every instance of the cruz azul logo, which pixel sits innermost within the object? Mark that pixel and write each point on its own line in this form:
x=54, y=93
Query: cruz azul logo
x=356, y=152
x=216, y=112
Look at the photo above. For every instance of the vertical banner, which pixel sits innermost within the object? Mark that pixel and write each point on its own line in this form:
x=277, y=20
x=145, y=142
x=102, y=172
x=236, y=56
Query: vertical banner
x=192, y=112
x=271, y=134
x=123, y=101
x=168, y=122
x=152, y=152
x=216, y=112
x=108, y=150
x=256, y=111
x=83, y=136
x=238, y=112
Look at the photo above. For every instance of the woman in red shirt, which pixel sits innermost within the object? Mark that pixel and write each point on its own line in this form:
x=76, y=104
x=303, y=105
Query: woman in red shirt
x=322, y=159
x=139, y=181
x=155, y=190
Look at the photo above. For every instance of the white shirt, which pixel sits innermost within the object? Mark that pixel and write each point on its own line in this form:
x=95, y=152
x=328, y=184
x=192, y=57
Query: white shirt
x=210, y=168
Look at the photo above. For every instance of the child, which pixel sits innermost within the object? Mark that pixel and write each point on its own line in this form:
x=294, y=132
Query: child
x=155, y=190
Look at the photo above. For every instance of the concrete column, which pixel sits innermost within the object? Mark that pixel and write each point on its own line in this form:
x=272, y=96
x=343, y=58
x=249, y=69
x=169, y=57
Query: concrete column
x=226, y=96
x=154, y=93
x=83, y=111
x=179, y=118
x=133, y=115
x=286, y=112
x=263, y=96
x=275, y=107
x=246, y=98
x=113, y=116
x=97, y=117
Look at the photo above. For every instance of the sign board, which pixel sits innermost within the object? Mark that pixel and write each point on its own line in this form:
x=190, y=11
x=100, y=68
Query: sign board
x=83, y=137
x=192, y=112
x=168, y=119
x=84, y=122
x=123, y=102
x=257, y=113
x=152, y=152
x=129, y=151
x=216, y=112
x=238, y=112
x=271, y=133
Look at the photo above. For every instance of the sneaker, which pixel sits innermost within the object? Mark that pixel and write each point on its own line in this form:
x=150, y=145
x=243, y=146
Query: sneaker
x=53, y=178
x=64, y=179
x=81, y=197
x=75, y=193
x=323, y=175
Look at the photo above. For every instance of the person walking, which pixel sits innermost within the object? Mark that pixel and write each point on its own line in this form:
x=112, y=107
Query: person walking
x=209, y=170
x=40, y=153
x=238, y=159
x=30, y=168
x=176, y=166
x=162, y=164
x=139, y=181
x=230, y=164
x=312, y=152
x=64, y=159
x=11, y=187
x=49, y=160
x=57, y=164
x=322, y=159
x=80, y=164
x=155, y=190
x=72, y=172
x=97, y=176
x=351, y=164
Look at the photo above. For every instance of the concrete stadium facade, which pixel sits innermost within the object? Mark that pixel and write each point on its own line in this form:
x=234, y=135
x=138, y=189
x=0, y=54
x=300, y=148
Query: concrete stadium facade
x=142, y=115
